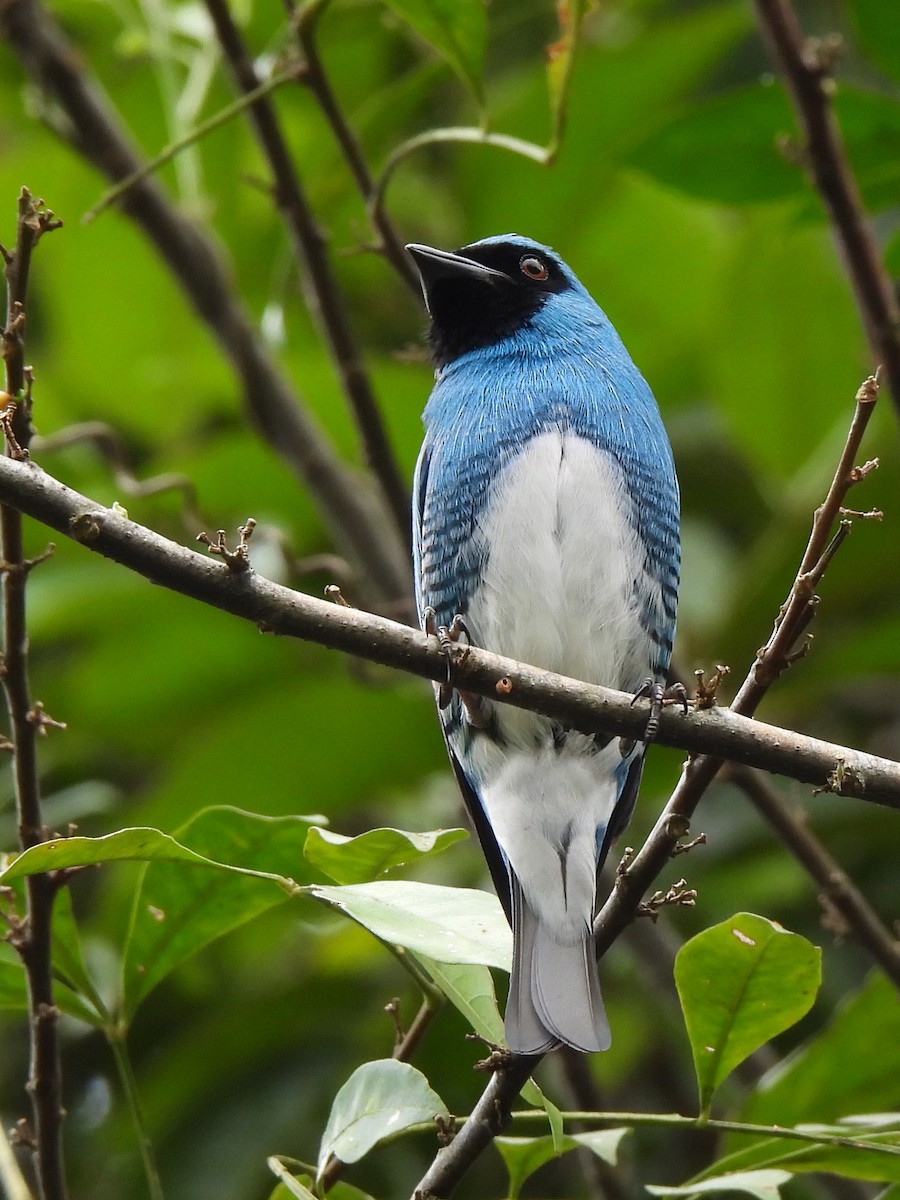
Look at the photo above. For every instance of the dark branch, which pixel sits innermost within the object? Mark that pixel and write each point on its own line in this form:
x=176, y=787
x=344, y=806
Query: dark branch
x=324, y=295
x=804, y=65
x=276, y=609
x=315, y=79
x=31, y=937
x=344, y=500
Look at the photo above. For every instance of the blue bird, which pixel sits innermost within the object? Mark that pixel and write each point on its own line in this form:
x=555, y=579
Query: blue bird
x=546, y=528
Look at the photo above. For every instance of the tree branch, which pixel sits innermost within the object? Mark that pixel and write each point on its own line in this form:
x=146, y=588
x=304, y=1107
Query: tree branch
x=804, y=64
x=315, y=79
x=277, y=609
x=31, y=936
x=324, y=295
x=344, y=500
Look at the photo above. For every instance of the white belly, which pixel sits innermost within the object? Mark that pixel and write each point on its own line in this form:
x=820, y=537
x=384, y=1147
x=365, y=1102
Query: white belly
x=559, y=588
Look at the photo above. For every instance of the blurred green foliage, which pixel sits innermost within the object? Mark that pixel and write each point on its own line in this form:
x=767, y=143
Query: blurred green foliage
x=701, y=239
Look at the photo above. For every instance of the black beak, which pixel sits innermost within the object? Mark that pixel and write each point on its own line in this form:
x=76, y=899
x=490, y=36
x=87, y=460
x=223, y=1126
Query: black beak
x=434, y=265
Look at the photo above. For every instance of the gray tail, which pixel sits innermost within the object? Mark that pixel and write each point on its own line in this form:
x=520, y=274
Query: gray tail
x=554, y=995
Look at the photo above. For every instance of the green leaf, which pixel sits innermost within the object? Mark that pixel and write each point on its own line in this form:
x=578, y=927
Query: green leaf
x=379, y=1100
x=740, y=984
x=457, y=29
x=363, y=858
x=875, y=1157
x=126, y=845
x=524, y=1156
x=764, y=1185
x=453, y=925
x=836, y=1072
x=178, y=912
x=727, y=149
x=14, y=995
x=470, y=988
x=603, y=1142
x=724, y=149
x=69, y=967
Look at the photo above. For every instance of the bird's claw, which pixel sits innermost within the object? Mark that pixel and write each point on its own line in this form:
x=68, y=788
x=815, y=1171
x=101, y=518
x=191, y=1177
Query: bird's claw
x=455, y=651
x=659, y=696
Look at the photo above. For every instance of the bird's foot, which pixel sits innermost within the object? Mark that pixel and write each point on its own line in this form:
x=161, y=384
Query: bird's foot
x=659, y=697
x=455, y=651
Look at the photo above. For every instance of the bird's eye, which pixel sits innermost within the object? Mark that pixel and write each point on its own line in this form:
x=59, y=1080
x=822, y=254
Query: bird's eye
x=533, y=267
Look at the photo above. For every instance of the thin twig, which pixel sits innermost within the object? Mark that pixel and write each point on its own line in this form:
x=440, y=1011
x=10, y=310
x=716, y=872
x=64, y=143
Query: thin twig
x=324, y=295
x=197, y=134
x=345, y=502
x=582, y=706
x=111, y=446
x=839, y=892
x=465, y=134
x=31, y=938
x=315, y=80
x=805, y=65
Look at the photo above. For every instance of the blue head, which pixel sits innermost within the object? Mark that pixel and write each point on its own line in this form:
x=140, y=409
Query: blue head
x=498, y=290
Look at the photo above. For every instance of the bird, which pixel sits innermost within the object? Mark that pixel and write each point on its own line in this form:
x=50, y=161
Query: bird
x=546, y=529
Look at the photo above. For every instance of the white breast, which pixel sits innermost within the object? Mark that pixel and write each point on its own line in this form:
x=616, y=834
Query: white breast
x=558, y=588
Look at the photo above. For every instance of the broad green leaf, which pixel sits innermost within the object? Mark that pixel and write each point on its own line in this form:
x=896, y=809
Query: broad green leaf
x=764, y=1185
x=126, y=845
x=727, y=149
x=457, y=29
x=177, y=912
x=740, y=984
x=14, y=995
x=603, y=1142
x=363, y=858
x=68, y=961
x=524, y=1156
x=470, y=988
x=454, y=925
x=379, y=1099
x=836, y=1072
x=724, y=149
x=876, y=1156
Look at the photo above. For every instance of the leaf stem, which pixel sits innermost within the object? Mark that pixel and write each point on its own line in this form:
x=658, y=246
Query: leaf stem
x=119, y=1047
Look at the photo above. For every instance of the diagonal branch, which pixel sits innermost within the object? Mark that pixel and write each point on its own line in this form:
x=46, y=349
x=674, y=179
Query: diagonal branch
x=804, y=64
x=344, y=500
x=324, y=295
x=306, y=21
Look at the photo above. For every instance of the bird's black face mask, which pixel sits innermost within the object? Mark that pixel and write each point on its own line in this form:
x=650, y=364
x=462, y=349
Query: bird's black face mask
x=479, y=295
